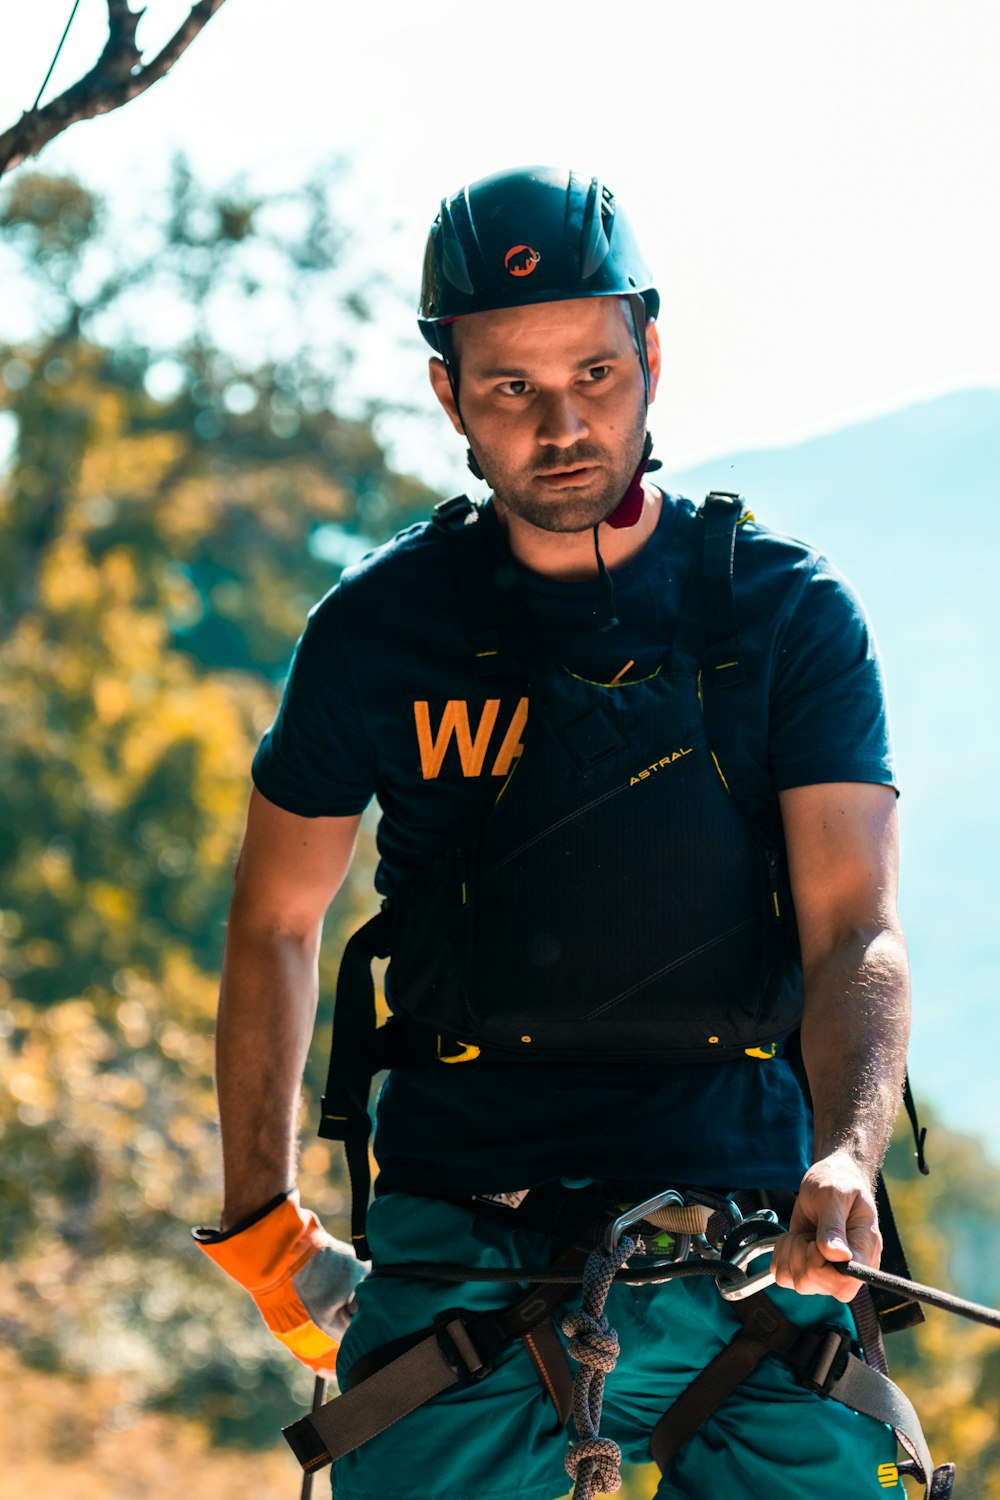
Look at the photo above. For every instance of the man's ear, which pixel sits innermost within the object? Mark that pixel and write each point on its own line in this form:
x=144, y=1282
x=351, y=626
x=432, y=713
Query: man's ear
x=443, y=391
x=653, y=355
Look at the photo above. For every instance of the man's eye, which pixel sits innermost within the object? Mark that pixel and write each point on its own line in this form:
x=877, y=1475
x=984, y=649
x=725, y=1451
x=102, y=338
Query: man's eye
x=599, y=372
x=514, y=387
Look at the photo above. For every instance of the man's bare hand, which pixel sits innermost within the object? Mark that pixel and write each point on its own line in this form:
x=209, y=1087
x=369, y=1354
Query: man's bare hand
x=834, y=1219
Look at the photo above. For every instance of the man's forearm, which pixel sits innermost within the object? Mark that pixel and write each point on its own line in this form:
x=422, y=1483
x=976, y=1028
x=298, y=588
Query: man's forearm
x=267, y=1009
x=854, y=1034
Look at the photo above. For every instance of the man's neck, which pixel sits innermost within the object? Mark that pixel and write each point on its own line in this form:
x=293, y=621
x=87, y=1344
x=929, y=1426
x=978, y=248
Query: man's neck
x=569, y=555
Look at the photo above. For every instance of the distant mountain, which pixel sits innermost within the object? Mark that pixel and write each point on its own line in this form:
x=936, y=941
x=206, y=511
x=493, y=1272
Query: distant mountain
x=908, y=506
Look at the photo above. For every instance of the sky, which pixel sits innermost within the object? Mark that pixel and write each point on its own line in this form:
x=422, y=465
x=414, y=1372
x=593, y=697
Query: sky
x=814, y=185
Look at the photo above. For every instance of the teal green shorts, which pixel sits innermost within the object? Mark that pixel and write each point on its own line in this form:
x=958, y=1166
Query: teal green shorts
x=499, y=1439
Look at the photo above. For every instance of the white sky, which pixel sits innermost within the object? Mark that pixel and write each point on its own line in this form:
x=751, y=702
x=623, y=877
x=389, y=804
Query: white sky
x=815, y=185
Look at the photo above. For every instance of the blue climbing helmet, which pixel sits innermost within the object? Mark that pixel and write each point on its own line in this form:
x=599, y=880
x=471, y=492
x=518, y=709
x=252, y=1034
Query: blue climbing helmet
x=533, y=234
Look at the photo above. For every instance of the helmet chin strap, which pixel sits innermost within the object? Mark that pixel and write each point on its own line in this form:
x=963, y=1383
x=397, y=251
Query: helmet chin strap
x=626, y=513
x=629, y=508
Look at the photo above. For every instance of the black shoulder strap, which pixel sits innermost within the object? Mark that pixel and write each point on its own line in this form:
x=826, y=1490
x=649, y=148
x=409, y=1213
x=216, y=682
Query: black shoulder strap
x=353, y=1064
x=451, y=515
x=487, y=591
x=722, y=512
x=706, y=626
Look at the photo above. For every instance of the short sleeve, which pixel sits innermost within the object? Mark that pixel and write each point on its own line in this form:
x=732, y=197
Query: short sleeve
x=316, y=759
x=828, y=718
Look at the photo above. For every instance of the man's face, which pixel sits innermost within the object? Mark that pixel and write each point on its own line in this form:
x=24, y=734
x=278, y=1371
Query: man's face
x=553, y=406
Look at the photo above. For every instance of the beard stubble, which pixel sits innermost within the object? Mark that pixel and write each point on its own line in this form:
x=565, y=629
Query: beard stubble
x=565, y=510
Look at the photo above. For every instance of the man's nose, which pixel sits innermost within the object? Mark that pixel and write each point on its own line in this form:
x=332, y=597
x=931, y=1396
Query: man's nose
x=561, y=421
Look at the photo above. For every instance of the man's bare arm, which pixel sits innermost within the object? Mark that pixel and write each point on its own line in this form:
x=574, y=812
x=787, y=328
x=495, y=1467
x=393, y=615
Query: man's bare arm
x=288, y=871
x=842, y=849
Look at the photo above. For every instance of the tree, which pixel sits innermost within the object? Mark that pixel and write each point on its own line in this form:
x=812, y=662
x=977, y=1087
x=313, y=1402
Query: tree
x=120, y=74
x=159, y=530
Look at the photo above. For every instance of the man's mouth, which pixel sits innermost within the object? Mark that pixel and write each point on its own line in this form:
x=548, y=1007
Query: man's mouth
x=573, y=476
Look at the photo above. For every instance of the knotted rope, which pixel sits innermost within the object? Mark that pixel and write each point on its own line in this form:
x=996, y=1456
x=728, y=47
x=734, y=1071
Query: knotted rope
x=594, y=1463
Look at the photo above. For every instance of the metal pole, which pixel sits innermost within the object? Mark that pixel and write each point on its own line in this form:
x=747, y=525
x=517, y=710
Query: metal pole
x=319, y=1396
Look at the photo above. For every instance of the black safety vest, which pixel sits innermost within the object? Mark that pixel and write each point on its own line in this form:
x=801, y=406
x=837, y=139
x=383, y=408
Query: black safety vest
x=614, y=903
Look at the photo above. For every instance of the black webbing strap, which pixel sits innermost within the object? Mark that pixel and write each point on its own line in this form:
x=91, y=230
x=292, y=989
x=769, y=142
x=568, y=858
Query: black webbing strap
x=919, y=1131
x=459, y=1349
x=485, y=585
x=722, y=512
x=894, y=1309
x=762, y=1326
x=868, y=1329
x=822, y=1360
x=354, y=1062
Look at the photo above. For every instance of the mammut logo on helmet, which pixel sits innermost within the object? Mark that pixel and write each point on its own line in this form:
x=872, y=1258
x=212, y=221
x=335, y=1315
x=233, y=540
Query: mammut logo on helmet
x=521, y=260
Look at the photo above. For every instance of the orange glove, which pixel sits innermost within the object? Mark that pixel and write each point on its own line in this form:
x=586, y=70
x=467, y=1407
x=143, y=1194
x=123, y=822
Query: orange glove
x=301, y=1278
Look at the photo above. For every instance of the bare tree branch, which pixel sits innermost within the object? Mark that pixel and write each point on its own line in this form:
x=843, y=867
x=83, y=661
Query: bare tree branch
x=118, y=76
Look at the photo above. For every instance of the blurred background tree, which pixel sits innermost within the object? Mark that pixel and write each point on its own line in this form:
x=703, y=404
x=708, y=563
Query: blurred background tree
x=120, y=73
x=188, y=467
x=170, y=510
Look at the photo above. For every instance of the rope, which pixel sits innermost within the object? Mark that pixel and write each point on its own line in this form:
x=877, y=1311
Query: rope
x=594, y=1463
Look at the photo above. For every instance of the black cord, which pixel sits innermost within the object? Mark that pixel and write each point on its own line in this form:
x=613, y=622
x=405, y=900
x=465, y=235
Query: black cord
x=932, y=1295
x=62, y=39
x=659, y=1270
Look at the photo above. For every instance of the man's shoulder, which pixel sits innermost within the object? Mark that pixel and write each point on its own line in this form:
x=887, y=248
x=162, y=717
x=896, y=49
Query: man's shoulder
x=389, y=577
x=408, y=552
x=784, y=571
x=770, y=567
x=766, y=547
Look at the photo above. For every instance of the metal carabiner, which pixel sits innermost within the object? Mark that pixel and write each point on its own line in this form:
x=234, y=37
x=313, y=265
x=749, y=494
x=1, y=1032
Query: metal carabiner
x=635, y=1215
x=760, y=1279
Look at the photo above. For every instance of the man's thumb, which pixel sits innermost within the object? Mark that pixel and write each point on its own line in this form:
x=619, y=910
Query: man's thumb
x=832, y=1240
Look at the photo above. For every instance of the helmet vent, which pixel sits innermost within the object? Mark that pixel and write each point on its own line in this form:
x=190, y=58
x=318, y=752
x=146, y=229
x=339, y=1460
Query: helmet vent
x=594, y=245
x=453, y=262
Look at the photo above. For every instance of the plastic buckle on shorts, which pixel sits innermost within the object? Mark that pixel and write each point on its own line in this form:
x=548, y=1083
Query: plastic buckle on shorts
x=458, y=1348
x=829, y=1362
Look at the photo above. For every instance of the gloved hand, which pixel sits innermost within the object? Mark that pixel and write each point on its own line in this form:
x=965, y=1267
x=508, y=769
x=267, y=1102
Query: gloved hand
x=301, y=1278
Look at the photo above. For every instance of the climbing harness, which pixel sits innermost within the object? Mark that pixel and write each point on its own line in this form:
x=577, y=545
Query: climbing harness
x=711, y=1237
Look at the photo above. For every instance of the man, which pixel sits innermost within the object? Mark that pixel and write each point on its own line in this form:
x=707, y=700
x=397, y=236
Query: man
x=542, y=315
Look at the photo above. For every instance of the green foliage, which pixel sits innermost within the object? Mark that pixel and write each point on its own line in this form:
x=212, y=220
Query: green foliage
x=156, y=565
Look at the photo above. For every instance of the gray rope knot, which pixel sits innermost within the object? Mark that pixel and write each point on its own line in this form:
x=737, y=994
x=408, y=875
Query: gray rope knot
x=592, y=1342
x=594, y=1463
x=600, y=1459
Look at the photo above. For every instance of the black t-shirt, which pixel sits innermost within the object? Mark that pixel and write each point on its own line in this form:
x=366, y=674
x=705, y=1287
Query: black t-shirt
x=382, y=700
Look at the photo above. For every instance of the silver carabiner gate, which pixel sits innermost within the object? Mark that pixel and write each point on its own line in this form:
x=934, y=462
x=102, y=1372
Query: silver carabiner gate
x=636, y=1214
x=760, y=1279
